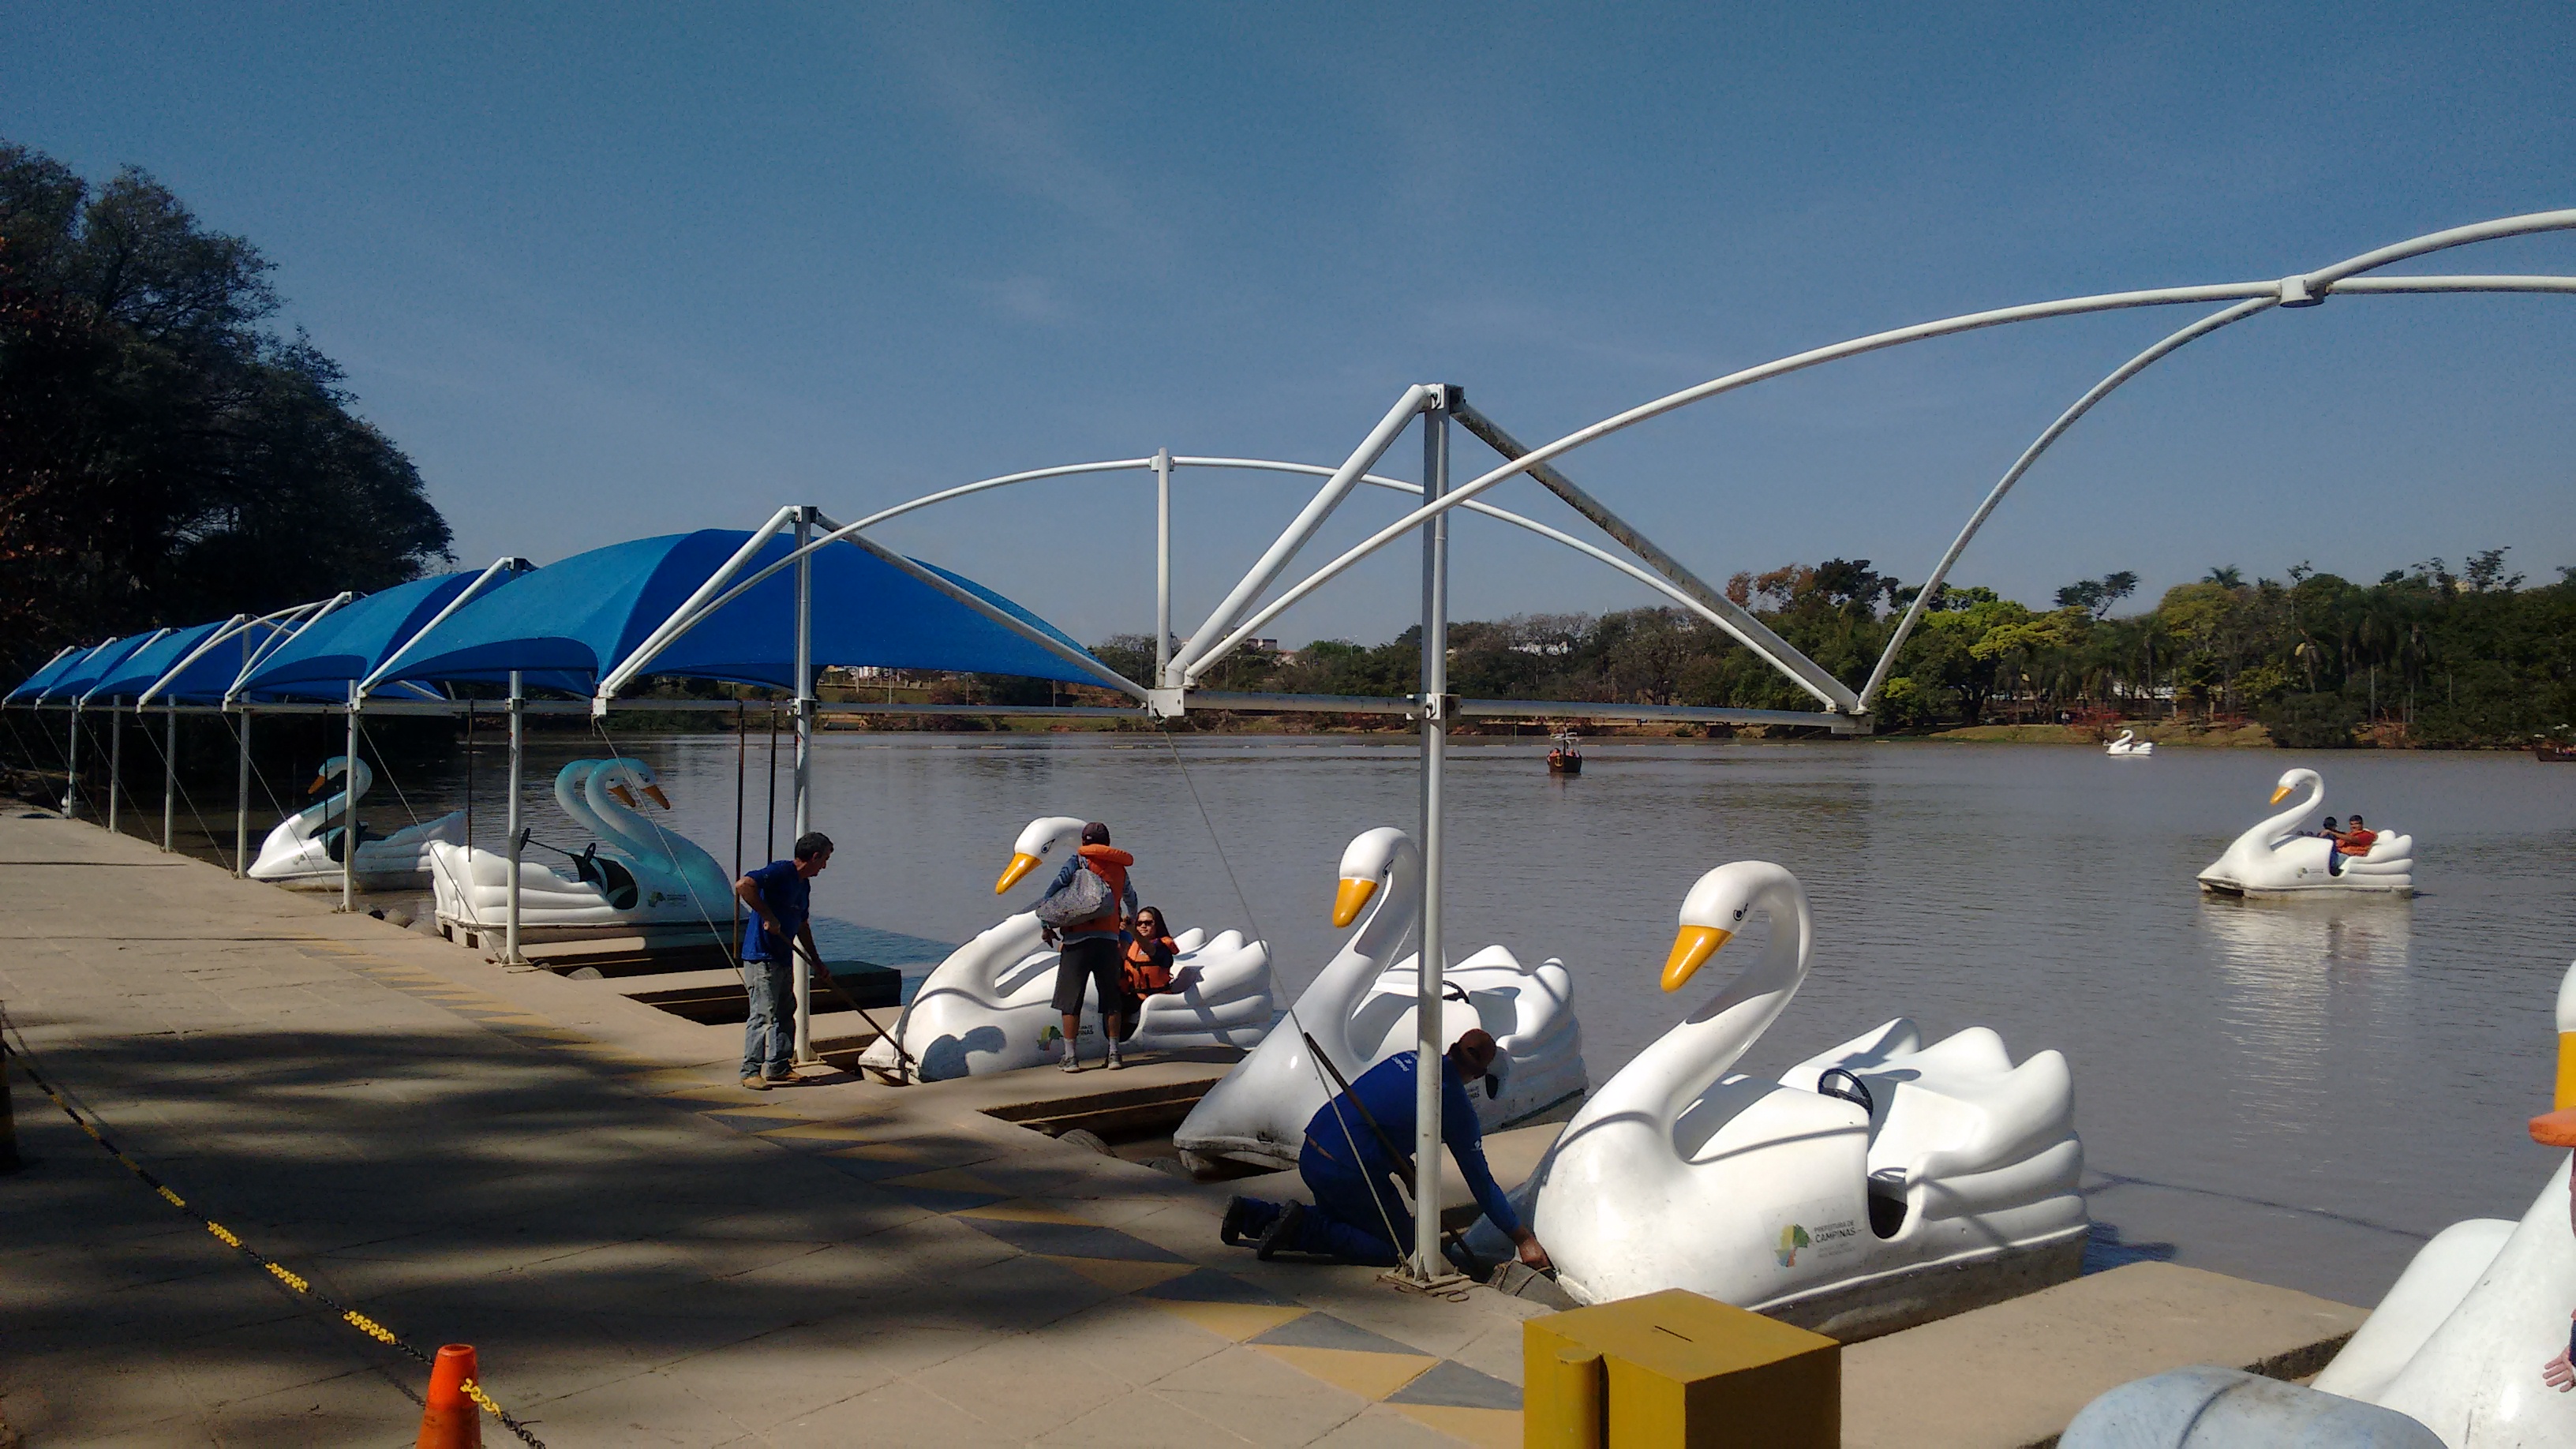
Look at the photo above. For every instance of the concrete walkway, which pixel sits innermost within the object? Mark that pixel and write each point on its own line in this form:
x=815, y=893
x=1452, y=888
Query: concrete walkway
x=642, y=1251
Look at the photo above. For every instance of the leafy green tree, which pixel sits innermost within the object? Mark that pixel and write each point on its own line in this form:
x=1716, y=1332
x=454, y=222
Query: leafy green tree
x=165, y=456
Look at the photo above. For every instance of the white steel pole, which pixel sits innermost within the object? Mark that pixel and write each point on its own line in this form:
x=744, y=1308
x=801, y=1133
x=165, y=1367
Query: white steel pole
x=71, y=768
x=518, y=765
x=1162, y=568
x=1428, y=1035
x=169, y=773
x=804, y=760
x=241, y=803
x=115, y=759
x=349, y=812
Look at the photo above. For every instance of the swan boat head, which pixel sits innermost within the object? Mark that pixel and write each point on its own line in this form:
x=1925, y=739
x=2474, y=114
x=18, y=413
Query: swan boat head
x=1368, y=863
x=2292, y=779
x=625, y=779
x=1044, y=837
x=360, y=777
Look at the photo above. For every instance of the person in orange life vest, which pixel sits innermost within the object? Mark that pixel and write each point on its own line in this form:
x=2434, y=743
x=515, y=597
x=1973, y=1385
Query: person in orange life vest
x=1091, y=948
x=2351, y=843
x=1146, y=965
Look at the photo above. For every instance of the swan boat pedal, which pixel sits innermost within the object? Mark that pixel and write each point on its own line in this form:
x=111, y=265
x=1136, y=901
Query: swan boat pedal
x=1878, y=1185
x=2271, y=859
x=1361, y=1010
x=304, y=849
x=989, y=1007
x=638, y=873
x=2458, y=1342
x=2129, y=747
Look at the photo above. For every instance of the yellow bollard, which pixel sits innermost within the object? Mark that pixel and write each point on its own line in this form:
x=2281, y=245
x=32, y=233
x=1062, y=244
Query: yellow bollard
x=1675, y=1369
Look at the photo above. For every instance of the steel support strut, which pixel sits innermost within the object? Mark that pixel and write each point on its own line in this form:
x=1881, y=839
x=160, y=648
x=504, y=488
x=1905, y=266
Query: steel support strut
x=1426, y=1263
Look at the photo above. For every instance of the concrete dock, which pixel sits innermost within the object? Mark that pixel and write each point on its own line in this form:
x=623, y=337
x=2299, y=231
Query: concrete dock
x=644, y=1252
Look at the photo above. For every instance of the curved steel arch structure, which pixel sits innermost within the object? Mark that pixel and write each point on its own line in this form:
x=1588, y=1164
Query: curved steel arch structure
x=2245, y=298
x=728, y=584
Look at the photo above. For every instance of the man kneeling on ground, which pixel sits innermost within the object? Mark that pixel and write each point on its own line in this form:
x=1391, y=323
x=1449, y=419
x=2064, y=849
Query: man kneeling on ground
x=1347, y=1164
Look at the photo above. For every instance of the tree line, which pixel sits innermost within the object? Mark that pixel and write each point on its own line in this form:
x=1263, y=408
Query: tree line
x=2426, y=656
x=166, y=455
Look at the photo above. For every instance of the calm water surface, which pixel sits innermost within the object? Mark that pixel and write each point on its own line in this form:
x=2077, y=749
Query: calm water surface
x=2298, y=1093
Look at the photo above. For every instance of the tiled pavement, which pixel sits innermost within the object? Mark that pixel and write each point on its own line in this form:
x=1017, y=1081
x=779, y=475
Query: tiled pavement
x=470, y=1155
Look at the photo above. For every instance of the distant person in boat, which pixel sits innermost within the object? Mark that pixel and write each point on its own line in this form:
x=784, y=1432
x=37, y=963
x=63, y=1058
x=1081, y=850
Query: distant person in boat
x=2350, y=843
x=1091, y=948
x=1355, y=1143
x=777, y=899
x=1145, y=967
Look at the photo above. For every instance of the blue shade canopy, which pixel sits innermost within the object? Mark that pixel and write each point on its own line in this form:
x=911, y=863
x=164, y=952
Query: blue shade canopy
x=83, y=677
x=578, y=618
x=137, y=671
x=351, y=641
x=35, y=685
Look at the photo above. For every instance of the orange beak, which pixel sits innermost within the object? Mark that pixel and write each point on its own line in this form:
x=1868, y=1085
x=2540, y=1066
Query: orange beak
x=1692, y=946
x=1349, y=898
x=1021, y=864
x=623, y=798
x=654, y=794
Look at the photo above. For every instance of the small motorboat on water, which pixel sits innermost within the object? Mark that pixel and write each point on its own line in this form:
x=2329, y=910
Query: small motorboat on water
x=306, y=849
x=1363, y=1008
x=1565, y=757
x=1879, y=1184
x=2459, y=1340
x=2553, y=750
x=989, y=1007
x=2275, y=859
x=635, y=872
x=2129, y=747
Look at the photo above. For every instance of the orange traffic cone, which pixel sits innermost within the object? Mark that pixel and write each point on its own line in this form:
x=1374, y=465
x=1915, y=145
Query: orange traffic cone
x=450, y=1420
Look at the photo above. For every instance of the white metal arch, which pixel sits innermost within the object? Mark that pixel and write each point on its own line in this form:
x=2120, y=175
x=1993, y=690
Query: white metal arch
x=2304, y=289
x=2135, y=365
x=723, y=587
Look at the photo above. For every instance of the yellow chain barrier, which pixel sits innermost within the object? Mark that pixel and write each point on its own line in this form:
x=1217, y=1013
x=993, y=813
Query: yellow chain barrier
x=280, y=1271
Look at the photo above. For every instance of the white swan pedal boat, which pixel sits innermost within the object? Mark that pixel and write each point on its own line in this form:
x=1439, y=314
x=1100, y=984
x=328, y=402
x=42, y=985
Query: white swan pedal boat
x=1878, y=1185
x=1362, y=1009
x=2458, y=1342
x=2129, y=747
x=989, y=1007
x=2272, y=859
x=637, y=873
x=304, y=850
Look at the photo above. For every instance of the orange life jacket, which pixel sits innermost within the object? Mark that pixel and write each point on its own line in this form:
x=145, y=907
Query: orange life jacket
x=1143, y=972
x=1110, y=864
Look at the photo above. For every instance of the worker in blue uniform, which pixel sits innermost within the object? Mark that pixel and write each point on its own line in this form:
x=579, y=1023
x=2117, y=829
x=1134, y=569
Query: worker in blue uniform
x=1357, y=1216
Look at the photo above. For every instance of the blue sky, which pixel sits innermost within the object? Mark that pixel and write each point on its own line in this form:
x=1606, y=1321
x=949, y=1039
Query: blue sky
x=610, y=272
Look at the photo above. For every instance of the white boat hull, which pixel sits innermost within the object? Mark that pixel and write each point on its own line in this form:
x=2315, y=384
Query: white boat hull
x=292, y=858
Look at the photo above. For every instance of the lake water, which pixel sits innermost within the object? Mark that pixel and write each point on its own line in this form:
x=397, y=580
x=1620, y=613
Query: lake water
x=2293, y=1092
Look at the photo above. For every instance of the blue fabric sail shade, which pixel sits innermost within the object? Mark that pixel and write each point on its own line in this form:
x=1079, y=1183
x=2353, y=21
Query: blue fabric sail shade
x=139, y=670
x=84, y=676
x=584, y=615
x=352, y=641
x=35, y=686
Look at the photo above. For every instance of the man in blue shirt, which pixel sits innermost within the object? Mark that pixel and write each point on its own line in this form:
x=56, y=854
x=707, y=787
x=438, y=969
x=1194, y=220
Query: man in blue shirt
x=1347, y=1167
x=778, y=900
